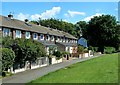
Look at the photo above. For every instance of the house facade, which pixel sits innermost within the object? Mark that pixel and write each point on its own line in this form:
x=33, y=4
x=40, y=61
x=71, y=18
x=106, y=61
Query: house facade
x=50, y=38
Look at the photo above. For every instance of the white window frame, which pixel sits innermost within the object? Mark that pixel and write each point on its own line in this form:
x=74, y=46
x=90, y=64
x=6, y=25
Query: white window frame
x=41, y=35
x=36, y=36
x=5, y=33
x=48, y=37
x=66, y=40
x=76, y=41
x=18, y=36
x=27, y=37
x=52, y=38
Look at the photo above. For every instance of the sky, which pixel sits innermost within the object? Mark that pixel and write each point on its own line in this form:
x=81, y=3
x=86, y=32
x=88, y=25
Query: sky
x=67, y=11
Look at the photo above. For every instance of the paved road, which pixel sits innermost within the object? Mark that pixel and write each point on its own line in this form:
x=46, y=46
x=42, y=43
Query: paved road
x=29, y=75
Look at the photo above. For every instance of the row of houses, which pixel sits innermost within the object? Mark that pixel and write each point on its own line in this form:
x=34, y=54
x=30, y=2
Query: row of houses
x=49, y=37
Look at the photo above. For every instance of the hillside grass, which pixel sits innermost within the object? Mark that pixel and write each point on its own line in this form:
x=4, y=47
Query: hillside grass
x=102, y=69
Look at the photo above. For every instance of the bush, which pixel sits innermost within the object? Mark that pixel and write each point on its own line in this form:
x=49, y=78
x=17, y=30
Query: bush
x=91, y=48
x=86, y=50
x=109, y=50
x=7, y=42
x=65, y=53
x=58, y=54
x=95, y=49
x=25, y=49
x=7, y=59
x=80, y=49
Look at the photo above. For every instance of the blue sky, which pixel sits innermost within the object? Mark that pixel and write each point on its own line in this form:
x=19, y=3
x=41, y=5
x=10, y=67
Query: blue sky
x=67, y=11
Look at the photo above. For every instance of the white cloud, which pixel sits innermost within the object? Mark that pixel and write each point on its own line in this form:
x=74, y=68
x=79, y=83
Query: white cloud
x=73, y=13
x=89, y=17
x=22, y=16
x=47, y=14
x=35, y=17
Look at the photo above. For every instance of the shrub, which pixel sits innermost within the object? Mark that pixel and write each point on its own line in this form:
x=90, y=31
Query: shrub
x=28, y=50
x=80, y=49
x=91, y=48
x=65, y=53
x=95, y=49
x=7, y=42
x=25, y=49
x=109, y=50
x=7, y=59
x=86, y=50
x=58, y=54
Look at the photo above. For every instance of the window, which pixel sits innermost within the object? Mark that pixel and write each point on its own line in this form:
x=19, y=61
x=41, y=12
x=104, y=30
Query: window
x=66, y=40
x=35, y=37
x=76, y=41
x=48, y=37
x=6, y=32
x=41, y=37
x=27, y=35
x=52, y=38
x=18, y=34
x=63, y=39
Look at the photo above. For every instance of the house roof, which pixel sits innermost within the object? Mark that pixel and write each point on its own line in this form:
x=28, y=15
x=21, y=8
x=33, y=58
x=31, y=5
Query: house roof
x=21, y=25
x=67, y=44
x=47, y=43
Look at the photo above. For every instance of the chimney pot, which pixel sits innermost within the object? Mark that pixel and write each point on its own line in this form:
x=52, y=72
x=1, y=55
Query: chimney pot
x=10, y=16
x=26, y=20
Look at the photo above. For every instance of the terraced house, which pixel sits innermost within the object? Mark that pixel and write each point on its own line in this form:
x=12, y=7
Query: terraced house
x=47, y=36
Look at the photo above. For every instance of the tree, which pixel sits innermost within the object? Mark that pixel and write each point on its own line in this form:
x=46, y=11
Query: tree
x=117, y=39
x=81, y=29
x=25, y=49
x=101, y=31
x=7, y=59
x=28, y=50
x=7, y=42
x=57, y=24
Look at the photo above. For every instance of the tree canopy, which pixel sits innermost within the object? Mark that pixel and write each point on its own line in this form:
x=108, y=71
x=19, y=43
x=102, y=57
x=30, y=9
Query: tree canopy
x=102, y=31
x=57, y=24
x=25, y=49
x=7, y=59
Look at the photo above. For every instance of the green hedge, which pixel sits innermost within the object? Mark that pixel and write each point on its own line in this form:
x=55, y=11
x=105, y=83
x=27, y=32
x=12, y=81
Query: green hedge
x=109, y=50
x=95, y=49
x=7, y=59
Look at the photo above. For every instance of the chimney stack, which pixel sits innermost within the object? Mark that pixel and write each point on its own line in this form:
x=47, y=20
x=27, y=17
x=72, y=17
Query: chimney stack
x=26, y=20
x=10, y=16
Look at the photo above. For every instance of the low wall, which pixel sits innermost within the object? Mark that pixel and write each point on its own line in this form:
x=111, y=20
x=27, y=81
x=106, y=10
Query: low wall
x=18, y=70
x=86, y=55
x=43, y=61
x=34, y=67
x=90, y=53
x=54, y=60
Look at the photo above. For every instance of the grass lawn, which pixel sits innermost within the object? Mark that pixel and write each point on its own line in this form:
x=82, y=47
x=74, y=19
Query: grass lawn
x=103, y=69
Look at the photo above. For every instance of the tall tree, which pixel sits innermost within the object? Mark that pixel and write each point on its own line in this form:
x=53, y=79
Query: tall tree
x=102, y=31
x=81, y=29
x=57, y=24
